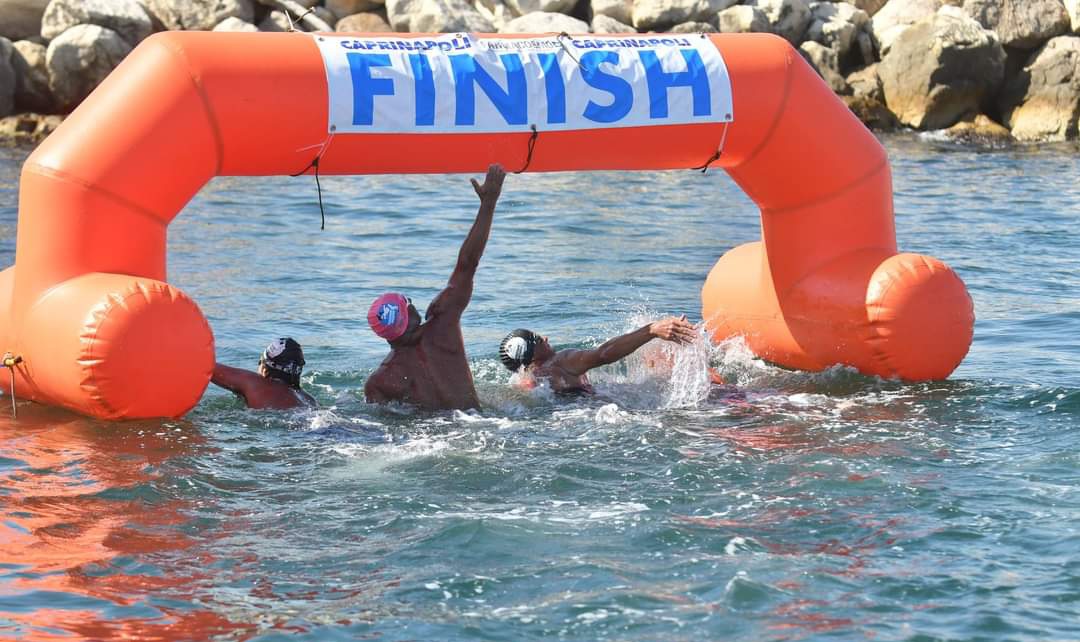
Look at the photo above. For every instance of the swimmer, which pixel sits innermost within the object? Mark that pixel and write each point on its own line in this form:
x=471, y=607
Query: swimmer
x=427, y=364
x=566, y=370
x=277, y=384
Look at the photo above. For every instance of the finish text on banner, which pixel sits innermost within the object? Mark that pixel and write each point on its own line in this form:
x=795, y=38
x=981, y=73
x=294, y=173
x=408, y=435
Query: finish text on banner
x=465, y=84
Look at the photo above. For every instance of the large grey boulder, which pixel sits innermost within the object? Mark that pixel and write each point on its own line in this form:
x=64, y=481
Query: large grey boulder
x=660, y=15
x=28, y=129
x=865, y=83
x=867, y=100
x=693, y=27
x=824, y=61
x=896, y=16
x=79, y=59
x=363, y=23
x=1072, y=7
x=436, y=16
x=788, y=19
x=125, y=17
x=197, y=15
x=32, y=91
x=869, y=6
x=235, y=25
x=940, y=69
x=618, y=9
x=544, y=22
x=742, y=19
x=497, y=12
x=1023, y=24
x=7, y=78
x=872, y=113
x=21, y=18
x=607, y=24
x=342, y=8
x=523, y=7
x=1043, y=101
x=274, y=22
x=979, y=130
x=836, y=25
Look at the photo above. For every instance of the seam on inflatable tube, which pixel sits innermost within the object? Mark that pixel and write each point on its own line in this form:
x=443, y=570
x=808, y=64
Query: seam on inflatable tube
x=875, y=308
x=93, y=391
x=208, y=105
x=93, y=187
x=112, y=302
x=843, y=189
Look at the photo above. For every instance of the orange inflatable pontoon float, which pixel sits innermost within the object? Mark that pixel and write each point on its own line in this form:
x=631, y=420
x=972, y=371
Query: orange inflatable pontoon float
x=99, y=330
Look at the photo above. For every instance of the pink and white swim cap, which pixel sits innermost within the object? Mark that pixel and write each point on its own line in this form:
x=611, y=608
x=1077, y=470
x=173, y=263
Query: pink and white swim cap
x=388, y=316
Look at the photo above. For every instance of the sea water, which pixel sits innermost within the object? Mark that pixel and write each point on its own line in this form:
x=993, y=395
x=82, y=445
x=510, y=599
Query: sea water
x=783, y=506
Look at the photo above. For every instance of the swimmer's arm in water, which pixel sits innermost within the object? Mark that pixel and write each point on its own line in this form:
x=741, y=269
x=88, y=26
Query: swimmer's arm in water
x=455, y=297
x=578, y=362
x=235, y=380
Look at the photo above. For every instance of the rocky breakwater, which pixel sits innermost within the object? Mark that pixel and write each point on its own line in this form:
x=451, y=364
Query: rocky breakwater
x=989, y=69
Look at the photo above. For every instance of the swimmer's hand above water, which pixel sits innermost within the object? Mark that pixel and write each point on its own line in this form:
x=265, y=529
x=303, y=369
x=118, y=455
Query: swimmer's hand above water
x=675, y=329
x=491, y=189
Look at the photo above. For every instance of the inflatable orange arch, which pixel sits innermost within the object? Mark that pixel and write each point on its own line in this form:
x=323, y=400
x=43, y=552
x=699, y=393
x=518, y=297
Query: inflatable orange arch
x=100, y=332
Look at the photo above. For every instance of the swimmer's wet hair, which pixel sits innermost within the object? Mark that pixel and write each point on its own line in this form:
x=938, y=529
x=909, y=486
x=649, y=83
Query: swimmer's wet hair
x=517, y=348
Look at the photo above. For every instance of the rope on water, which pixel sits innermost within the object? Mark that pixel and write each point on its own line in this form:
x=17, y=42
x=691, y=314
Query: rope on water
x=532, y=144
x=719, y=151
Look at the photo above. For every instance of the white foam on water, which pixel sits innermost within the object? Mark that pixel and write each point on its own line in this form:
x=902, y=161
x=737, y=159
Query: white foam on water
x=329, y=418
x=552, y=512
x=610, y=414
x=365, y=460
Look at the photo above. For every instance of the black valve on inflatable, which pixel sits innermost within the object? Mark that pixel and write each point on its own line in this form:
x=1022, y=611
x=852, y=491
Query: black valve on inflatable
x=10, y=361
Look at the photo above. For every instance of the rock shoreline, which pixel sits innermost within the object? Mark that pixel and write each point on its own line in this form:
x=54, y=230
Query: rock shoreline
x=989, y=70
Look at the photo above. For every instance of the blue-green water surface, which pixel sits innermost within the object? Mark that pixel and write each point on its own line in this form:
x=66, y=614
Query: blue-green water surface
x=788, y=506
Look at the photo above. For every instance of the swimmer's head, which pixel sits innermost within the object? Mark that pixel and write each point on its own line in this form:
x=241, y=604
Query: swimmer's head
x=521, y=348
x=392, y=315
x=283, y=360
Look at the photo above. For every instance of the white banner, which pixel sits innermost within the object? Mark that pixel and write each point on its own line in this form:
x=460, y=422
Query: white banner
x=464, y=84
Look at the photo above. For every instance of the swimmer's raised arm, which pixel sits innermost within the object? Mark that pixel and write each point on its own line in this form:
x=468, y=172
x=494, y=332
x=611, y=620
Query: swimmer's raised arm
x=578, y=362
x=235, y=380
x=455, y=297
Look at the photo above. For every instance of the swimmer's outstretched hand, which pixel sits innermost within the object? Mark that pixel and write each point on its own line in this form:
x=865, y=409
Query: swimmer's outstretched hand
x=675, y=329
x=492, y=186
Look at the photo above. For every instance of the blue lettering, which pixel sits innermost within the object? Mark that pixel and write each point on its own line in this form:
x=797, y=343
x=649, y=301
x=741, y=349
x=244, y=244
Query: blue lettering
x=660, y=81
x=365, y=88
x=424, y=83
x=622, y=94
x=512, y=104
x=554, y=86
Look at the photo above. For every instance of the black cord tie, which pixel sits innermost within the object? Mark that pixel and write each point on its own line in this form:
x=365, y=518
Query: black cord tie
x=704, y=168
x=315, y=163
x=532, y=144
x=719, y=150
